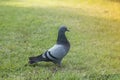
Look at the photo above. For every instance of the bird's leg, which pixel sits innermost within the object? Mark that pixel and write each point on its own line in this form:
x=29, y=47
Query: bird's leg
x=59, y=64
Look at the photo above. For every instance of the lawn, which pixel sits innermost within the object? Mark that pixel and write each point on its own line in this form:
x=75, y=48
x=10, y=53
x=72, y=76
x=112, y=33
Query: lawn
x=29, y=28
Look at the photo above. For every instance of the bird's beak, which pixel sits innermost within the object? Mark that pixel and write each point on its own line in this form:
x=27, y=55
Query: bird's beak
x=68, y=30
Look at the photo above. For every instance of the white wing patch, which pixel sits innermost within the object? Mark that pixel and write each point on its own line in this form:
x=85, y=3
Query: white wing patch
x=43, y=55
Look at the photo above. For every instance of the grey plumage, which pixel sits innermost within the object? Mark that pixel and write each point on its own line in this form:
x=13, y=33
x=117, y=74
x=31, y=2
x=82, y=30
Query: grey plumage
x=57, y=52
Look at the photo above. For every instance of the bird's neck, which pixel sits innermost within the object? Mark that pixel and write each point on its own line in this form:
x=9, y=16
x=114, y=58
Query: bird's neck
x=61, y=38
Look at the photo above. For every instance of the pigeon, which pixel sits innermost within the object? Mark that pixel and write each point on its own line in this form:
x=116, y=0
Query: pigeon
x=56, y=53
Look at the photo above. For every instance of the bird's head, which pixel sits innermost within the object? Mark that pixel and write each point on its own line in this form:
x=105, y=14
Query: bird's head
x=63, y=29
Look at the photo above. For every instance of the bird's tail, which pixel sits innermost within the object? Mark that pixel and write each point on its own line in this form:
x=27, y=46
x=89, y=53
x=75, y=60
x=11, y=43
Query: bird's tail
x=35, y=59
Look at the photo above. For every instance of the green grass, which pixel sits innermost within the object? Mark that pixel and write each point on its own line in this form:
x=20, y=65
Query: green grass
x=29, y=28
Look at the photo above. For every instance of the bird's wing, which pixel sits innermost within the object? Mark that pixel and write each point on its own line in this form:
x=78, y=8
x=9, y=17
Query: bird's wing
x=58, y=51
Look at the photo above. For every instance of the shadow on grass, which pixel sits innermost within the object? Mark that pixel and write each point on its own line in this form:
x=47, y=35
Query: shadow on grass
x=40, y=64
